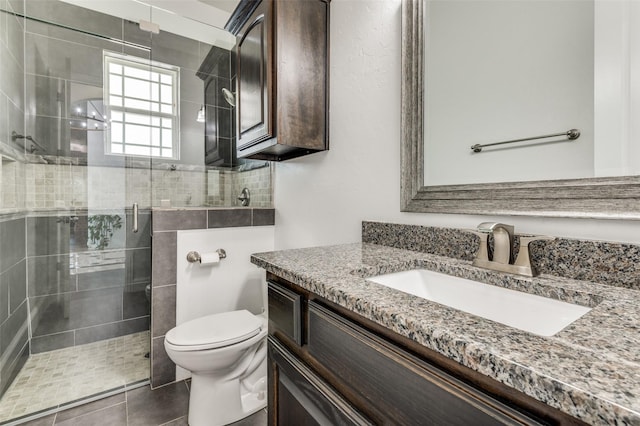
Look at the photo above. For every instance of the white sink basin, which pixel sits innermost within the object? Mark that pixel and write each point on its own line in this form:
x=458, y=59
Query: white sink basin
x=528, y=312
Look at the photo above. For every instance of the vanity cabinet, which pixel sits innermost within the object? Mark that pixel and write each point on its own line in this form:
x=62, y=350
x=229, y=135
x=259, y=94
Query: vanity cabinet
x=340, y=368
x=300, y=397
x=282, y=53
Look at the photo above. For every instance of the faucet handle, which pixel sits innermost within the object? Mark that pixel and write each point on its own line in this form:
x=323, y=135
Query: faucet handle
x=523, y=260
x=483, y=251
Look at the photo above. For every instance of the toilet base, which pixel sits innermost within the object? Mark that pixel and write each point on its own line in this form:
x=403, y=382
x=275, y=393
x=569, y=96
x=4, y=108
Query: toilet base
x=214, y=402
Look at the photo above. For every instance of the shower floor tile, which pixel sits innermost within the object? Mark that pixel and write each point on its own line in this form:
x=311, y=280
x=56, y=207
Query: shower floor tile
x=52, y=378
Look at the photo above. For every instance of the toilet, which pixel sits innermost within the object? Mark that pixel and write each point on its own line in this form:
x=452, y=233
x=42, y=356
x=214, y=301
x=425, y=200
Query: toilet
x=227, y=356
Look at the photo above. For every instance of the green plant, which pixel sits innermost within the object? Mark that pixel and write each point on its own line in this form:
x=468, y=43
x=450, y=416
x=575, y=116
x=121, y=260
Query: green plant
x=101, y=228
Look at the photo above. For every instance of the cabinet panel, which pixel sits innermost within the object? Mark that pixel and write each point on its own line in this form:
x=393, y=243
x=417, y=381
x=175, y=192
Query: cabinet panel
x=403, y=388
x=299, y=397
x=282, y=106
x=253, y=81
x=285, y=312
x=302, y=74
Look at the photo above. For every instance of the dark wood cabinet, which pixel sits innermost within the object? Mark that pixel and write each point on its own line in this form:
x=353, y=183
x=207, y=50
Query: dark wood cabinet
x=219, y=132
x=254, y=81
x=282, y=53
x=399, y=387
x=340, y=368
x=285, y=312
x=300, y=397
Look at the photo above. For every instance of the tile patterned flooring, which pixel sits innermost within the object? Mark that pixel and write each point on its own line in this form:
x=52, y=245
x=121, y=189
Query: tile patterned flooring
x=166, y=406
x=50, y=379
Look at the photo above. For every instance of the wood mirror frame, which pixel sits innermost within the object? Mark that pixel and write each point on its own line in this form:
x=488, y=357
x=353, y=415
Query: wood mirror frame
x=609, y=197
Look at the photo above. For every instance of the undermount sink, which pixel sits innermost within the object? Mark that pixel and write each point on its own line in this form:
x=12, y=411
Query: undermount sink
x=528, y=312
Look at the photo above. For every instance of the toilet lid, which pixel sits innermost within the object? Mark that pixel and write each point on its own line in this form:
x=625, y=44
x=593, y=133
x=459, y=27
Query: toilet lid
x=215, y=331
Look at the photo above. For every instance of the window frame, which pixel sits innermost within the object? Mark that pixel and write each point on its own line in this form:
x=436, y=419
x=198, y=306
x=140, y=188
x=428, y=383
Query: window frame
x=150, y=66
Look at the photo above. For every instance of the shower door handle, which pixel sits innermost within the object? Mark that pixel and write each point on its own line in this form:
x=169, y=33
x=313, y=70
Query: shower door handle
x=135, y=217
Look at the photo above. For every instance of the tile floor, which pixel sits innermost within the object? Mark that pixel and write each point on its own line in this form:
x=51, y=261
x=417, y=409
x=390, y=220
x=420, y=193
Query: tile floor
x=50, y=379
x=166, y=406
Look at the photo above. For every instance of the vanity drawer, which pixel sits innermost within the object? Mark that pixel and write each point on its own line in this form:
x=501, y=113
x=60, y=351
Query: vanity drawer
x=298, y=396
x=285, y=312
x=398, y=386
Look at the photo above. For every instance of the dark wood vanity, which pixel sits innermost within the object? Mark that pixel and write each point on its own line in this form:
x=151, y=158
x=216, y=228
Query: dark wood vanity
x=328, y=365
x=282, y=55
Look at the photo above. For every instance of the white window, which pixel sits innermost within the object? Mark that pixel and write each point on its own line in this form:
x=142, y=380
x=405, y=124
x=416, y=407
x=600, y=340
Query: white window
x=141, y=107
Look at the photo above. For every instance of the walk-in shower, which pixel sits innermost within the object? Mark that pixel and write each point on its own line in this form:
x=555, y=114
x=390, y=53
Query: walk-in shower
x=97, y=115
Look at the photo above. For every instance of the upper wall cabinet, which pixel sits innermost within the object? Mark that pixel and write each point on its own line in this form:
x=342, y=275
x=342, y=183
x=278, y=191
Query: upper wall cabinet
x=282, y=79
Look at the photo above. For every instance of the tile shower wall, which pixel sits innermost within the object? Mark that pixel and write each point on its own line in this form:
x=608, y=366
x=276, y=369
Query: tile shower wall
x=12, y=178
x=258, y=182
x=64, y=78
x=63, y=67
x=80, y=290
x=14, y=336
x=166, y=223
x=50, y=186
x=12, y=105
x=216, y=72
x=87, y=274
x=64, y=72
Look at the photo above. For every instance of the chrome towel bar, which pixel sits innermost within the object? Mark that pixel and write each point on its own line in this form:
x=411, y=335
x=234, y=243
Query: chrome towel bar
x=570, y=134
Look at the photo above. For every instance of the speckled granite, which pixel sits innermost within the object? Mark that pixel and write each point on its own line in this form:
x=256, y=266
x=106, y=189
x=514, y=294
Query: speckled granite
x=460, y=244
x=590, y=370
x=603, y=262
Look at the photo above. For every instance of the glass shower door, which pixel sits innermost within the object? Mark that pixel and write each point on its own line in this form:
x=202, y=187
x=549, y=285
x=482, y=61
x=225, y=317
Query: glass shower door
x=86, y=265
x=108, y=116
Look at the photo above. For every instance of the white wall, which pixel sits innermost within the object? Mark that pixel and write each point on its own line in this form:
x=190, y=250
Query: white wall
x=232, y=283
x=322, y=199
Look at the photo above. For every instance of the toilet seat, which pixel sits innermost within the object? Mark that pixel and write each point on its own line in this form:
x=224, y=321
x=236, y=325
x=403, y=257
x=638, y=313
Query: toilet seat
x=214, y=331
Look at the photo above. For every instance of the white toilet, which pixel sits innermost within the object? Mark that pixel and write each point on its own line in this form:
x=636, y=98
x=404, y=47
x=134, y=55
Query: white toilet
x=227, y=356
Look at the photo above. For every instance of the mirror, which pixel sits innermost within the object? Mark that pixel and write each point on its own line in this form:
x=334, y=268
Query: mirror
x=544, y=195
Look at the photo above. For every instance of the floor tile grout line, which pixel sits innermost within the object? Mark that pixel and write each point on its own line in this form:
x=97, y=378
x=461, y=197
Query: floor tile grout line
x=170, y=421
x=126, y=406
x=93, y=412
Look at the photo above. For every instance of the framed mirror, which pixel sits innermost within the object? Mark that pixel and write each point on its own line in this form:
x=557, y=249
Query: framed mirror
x=593, y=197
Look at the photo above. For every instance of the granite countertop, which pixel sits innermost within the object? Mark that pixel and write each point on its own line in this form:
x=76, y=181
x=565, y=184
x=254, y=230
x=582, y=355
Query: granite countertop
x=590, y=370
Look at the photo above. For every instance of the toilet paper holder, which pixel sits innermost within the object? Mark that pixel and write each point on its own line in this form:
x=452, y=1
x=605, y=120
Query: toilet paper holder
x=194, y=256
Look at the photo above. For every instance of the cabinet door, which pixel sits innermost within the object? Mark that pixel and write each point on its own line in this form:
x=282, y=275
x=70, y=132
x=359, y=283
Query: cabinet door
x=298, y=397
x=285, y=312
x=401, y=388
x=254, y=80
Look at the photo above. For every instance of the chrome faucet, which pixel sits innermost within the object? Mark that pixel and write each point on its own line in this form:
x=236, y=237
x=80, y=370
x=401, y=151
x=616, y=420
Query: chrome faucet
x=502, y=259
x=502, y=240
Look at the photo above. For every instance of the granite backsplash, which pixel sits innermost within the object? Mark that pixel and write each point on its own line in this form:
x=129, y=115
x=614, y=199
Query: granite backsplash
x=609, y=263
